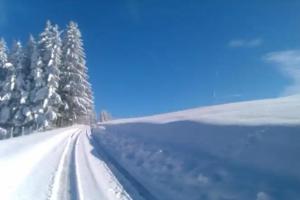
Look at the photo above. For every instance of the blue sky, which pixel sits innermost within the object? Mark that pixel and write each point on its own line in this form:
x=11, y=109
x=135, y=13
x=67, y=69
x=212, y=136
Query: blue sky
x=154, y=56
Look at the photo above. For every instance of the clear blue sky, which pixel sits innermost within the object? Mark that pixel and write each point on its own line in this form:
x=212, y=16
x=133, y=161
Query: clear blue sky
x=154, y=56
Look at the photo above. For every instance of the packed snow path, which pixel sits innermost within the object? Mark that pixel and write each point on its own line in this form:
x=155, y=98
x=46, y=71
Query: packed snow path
x=59, y=164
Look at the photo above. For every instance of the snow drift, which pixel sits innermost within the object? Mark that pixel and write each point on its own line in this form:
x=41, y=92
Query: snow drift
x=247, y=150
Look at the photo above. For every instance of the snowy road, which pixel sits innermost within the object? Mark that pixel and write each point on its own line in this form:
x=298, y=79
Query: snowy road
x=60, y=164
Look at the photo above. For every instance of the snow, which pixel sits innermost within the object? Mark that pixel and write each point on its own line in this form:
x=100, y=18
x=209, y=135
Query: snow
x=247, y=150
x=284, y=111
x=56, y=165
x=8, y=65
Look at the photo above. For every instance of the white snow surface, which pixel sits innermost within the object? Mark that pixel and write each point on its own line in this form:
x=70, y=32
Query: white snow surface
x=58, y=164
x=248, y=150
x=284, y=111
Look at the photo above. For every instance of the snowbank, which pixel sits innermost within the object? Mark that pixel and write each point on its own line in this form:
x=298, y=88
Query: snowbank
x=247, y=150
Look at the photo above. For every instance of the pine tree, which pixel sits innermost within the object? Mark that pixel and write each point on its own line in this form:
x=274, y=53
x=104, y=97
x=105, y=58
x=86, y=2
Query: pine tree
x=75, y=88
x=7, y=83
x=31, y=81
x=37, y=84
x=3, y=60
x=90, y=104
x=20, y=92
x=46, y=98
x=104, y=116
x=45, y=84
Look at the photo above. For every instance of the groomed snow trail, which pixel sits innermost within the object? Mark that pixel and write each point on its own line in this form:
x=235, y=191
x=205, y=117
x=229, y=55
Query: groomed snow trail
x=56, y=165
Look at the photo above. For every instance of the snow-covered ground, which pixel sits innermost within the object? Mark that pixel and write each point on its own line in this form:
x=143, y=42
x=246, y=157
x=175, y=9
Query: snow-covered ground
x=248, y=150
x=56, y=165
x=284, y=111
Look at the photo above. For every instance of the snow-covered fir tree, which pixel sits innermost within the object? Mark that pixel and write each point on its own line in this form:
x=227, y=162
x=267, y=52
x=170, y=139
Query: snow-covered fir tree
x=75, y=88
x=19, y=107
x=3, y=57
x=32, y=80
x=7, y=84
x=91, y=106
x=45, y=84
x=46, y=98
x=3, y=60
x=104, y=116
x=37, y=85
x=4, y=112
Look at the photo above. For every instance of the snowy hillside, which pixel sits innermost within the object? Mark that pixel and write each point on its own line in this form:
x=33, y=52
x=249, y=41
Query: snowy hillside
x=284, y=110
x=248, y=150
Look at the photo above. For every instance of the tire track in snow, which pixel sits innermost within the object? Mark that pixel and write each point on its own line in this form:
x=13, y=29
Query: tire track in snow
x=87, y=162
x=61, y=182
x=20, y=167
x=77, y=182
x=69, y=181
